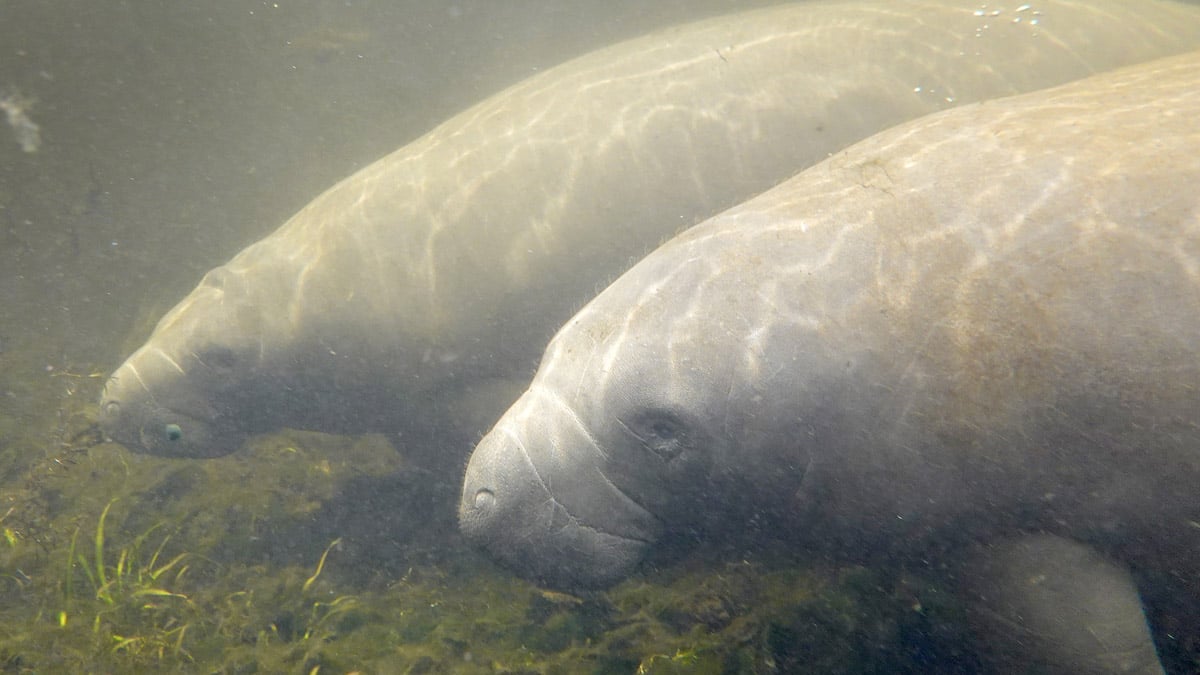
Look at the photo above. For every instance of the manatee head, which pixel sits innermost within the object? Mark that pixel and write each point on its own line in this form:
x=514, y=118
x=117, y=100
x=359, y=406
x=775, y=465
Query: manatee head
x=537, y=497
x=186, y=392
x=646, y=418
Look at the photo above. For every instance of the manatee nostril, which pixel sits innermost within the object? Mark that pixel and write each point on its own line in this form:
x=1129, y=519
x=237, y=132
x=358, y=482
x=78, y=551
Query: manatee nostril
x=484, y=499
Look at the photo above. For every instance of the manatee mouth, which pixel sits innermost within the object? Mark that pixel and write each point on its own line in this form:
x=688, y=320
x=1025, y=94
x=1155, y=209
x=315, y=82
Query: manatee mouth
x=548, y=512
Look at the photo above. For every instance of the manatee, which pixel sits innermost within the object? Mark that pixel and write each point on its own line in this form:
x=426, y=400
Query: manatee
x=974, y=337
x=451, y=261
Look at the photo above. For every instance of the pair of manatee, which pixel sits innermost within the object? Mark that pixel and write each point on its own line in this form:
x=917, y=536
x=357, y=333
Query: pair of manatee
x=970, y=328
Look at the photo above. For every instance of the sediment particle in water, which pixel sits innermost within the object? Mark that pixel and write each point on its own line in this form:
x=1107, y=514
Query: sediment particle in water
x=16, y=108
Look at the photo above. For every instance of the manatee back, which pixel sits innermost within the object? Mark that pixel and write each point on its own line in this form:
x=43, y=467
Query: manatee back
x=997, y=305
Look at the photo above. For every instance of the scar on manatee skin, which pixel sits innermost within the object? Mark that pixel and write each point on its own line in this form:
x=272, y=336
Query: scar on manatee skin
x=874, y=175
x=629, y=431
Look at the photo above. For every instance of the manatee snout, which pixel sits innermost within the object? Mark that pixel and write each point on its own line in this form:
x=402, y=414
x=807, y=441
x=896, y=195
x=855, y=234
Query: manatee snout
x=132, y=415
x=534, y=497
x=111, y=420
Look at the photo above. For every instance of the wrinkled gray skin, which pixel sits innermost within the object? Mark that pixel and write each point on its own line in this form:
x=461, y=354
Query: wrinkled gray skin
x=980, y=323
x=455, y=258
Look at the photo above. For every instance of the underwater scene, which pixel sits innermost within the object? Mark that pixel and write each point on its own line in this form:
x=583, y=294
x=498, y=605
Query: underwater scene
x=564, y=336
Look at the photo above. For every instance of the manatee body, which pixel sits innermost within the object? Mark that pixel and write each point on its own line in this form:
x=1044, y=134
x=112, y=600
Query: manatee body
x=976, y=326
x=454, y=259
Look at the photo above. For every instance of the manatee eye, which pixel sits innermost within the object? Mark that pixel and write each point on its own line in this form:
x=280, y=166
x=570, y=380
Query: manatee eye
x=661, y=433
x=220, y=358
x=173, y=432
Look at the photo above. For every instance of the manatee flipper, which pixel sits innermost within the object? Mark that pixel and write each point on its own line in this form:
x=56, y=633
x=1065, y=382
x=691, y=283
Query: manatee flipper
x=1052, y=605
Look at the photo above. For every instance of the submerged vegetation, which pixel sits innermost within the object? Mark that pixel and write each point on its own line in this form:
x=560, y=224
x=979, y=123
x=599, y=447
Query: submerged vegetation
x=132, y=603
